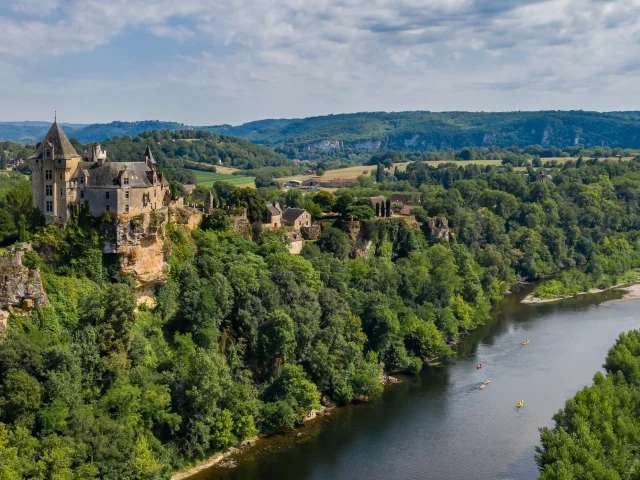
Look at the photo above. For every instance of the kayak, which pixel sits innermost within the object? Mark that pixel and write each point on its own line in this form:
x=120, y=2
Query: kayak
x=478, y=367
x=482, y=386
x=487, y=382
x=520, y=404
x=526, y=342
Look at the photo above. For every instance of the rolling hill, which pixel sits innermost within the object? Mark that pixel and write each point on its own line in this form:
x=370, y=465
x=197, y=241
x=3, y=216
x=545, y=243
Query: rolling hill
x=380, y=131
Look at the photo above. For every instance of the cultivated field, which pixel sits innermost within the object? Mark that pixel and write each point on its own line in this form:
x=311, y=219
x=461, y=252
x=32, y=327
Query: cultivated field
x=207, y=179
x=566, y=159
x=353, y=172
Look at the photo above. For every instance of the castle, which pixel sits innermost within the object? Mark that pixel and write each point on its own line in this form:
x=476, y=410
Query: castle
x=63, y=181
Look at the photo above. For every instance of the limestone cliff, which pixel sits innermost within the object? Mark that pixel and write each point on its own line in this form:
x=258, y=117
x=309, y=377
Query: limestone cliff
x=439, y=227
x=359, y=245
x=20, y=286
x=141, y=244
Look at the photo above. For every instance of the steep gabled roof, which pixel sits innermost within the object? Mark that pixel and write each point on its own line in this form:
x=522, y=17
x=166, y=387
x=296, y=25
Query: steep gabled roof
x=149, y=155
x=273, y=210
x=58, y=141
x=291, y=214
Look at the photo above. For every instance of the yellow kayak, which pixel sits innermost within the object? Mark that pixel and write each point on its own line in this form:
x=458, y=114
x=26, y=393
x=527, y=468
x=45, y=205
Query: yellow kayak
x=520, y=404
x=526, y=342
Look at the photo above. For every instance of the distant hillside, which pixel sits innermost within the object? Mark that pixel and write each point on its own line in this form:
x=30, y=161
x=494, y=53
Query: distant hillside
x=101, y=131
x=379, y=131
x=31, y=132
x=188, y=148
x=420, y=131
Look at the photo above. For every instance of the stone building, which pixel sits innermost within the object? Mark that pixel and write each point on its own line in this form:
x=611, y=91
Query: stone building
x=63, y=181
x=544, y=178
x=274, y=216
x=296, y=218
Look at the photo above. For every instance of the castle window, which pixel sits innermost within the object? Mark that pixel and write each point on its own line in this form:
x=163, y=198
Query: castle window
x=81, y=193
x=60, y=192
x=106, y=209
x=106, y=195
x=47, y=154
x=49, y=206
x=48, y=174
x=126, y=209
x=126, y=195
x=125, y=181
x=81, y=179
x=48, y=190
x=60, y=176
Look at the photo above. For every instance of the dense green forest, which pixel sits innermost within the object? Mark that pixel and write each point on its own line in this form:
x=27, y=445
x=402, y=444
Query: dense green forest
x=596, y=433
x=247, y=338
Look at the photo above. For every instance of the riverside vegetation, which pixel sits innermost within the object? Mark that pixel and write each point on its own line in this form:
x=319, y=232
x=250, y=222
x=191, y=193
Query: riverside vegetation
x=247, y=338
x=596, y=433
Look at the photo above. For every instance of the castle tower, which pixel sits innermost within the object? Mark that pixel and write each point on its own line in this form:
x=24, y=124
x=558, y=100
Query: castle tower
x=54, y=167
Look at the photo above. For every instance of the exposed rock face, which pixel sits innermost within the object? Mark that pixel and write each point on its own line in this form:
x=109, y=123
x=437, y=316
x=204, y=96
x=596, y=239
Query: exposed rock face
x=411, y=142
x=488, y=138
x=188, y=217
x=310, y=233
x=326, y=145
x=359, y=245
x=370, y=146
x=140, y=242
x=20, y=286
x=439, y=227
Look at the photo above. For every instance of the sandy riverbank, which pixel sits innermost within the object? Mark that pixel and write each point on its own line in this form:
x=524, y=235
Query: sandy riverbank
x=219, y=457
x=633, y=293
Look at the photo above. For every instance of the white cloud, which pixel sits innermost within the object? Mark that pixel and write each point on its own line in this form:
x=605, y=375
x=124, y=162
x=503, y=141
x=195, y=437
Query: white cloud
x=296, y=57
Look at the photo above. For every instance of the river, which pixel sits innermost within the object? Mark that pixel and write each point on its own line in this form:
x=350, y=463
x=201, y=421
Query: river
x=438, y=424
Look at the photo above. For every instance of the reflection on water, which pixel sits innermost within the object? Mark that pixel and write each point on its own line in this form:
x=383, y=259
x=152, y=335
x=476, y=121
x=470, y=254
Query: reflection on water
x=439, y=425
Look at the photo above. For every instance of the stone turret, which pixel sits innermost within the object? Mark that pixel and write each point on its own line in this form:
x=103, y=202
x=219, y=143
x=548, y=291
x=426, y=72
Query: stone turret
x=208, y=204
x=96, y=155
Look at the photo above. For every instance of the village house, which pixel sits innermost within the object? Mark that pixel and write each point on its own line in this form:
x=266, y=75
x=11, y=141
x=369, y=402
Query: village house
x=295, y=245
x=312, y=182
x=402, y=198
x=405, y=211
x=296, y=218
x=15, y=163
x=274, y=216
x=63, y=181
x=294, y=183
x=544, y=178
x=189, y=188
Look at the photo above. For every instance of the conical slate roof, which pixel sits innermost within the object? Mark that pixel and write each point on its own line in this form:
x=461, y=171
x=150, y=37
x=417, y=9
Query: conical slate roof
x=58, y=141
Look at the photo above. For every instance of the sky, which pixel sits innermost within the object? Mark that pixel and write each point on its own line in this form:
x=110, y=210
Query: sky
x=208, y=62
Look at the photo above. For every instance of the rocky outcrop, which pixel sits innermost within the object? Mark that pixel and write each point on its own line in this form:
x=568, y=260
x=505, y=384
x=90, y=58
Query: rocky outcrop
x=326, y=145
x=187, y=217
x=359, y=245
x=140, y=242
x=488, y=138
x=546, y=137
x=311, y=233
x=369, y=146
x=20, y=286
x=439, y=227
